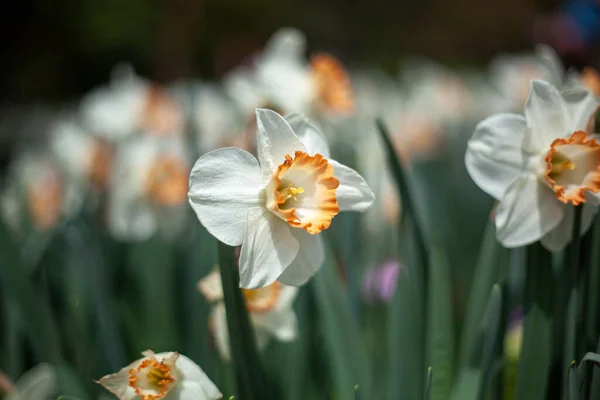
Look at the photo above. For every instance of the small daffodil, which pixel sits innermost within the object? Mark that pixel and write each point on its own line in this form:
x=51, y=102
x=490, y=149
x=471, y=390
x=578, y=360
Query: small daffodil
x=275, y=206
x=270, y=310
x=539, y=166
x=168, y=376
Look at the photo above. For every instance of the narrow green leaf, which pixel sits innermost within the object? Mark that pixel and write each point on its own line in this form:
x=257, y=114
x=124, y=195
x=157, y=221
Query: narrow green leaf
x=440, y=346
x=250, y=379
x=348, y=357
x=491, y=265
x=427, y=395
x=536, y=353
x=493, y=335
x=573, y=386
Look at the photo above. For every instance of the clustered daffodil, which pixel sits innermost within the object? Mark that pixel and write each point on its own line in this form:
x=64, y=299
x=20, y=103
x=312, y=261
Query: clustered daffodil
x=539, y=166
x=275, y=206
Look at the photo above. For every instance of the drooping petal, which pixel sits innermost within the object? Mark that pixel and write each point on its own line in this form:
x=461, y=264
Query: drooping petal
x=547, y=116
x=309, y=259
x=582, y=106
x=275, y=140
x=559, y=237
x=268, y=249
x=195, y=381
x=527, y=212
x=280, y=323
x=353, y=193
x=309, y=135
x=224, y=184
x=494, y=156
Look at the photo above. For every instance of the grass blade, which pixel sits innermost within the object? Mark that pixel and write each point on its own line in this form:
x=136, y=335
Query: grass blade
x=493, y=336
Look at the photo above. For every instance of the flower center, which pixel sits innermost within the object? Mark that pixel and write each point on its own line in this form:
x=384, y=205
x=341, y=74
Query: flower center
x=333, y=85
x=302, y=192
x=573, y=167
x=151, y=380
x=168, y=181
x=263, y=299
x=45, y=199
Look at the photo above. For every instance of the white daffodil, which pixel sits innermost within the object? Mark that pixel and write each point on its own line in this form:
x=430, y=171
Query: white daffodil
x=270, y=310
x=539, y=166
x=275, y=206
x=168, y=376
x=128, y=105
x=283, y=79
x=84, y=158
x=37, y=193
x=149, y=187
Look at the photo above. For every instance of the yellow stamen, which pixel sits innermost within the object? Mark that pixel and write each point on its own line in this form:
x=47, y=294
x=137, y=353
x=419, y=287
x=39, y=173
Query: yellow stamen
x=560, y=163
x=291, y=192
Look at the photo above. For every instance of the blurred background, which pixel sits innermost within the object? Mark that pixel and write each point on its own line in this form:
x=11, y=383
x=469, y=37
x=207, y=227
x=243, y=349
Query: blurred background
x=431, y=69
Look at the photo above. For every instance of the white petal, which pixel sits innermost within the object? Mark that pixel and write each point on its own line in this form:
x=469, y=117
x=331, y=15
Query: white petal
x=191, y=391
x=268, y=249
x=195, y=381
x=527, y=212
x=547, y=115
x=286, y=297
x=40, y=382
x=309, y=135
x=224, y=184
x=275, y=140
x=286, y=44
x=582, y=106
x=211, y=287
x=310, y=257
x=559, y=237
x=281, y=324
x=118, y=383
x=353, y=194
x=218, y=323
x=494, y=156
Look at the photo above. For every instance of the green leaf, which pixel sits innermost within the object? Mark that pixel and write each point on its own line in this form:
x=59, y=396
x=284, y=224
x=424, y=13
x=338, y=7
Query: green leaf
x=491, y=266
x=494, y=334
x=534, y=365
x=427, y=395
x=348, y=357
x=573, y=384
x=440, y=346
x=250, y=379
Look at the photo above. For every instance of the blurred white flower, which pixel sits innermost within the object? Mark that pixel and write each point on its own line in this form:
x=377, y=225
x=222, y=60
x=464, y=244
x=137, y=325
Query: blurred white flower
x=40, y=382
x=275, y=208
x=539, y=166
x=168, y=376
x=84, y=158
x=270, y=310
x=38, y=193
x=129, y=105
x=282, y=78
x=149, y=188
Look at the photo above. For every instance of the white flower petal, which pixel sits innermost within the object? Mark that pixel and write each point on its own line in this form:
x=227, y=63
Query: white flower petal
x=218, y=323
x=353, y=194
x=275, y=140
x=211, y=287
x=559, y=237
x=310, y=257
x=268, y=249
x=192, y=391
x=582, y=106
x=286, y=297
x=118, y=383
x=547, y=115
x=194, y=381
x=224, y=184
x=286, y=44
x=309, y=135
x=494, y=156
x=527, y=212
x=280, y=323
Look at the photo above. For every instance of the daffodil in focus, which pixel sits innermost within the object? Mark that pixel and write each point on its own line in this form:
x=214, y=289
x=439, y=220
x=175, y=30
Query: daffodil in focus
x=539, y=166
x=168, y=376
x=149, y=188
x=270, y=310
x=275, y=206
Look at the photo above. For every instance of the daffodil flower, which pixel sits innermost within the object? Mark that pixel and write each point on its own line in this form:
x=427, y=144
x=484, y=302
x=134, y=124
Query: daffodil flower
x=168, y=376
x=539, y=166
x=270, y=310
x=275, y=206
